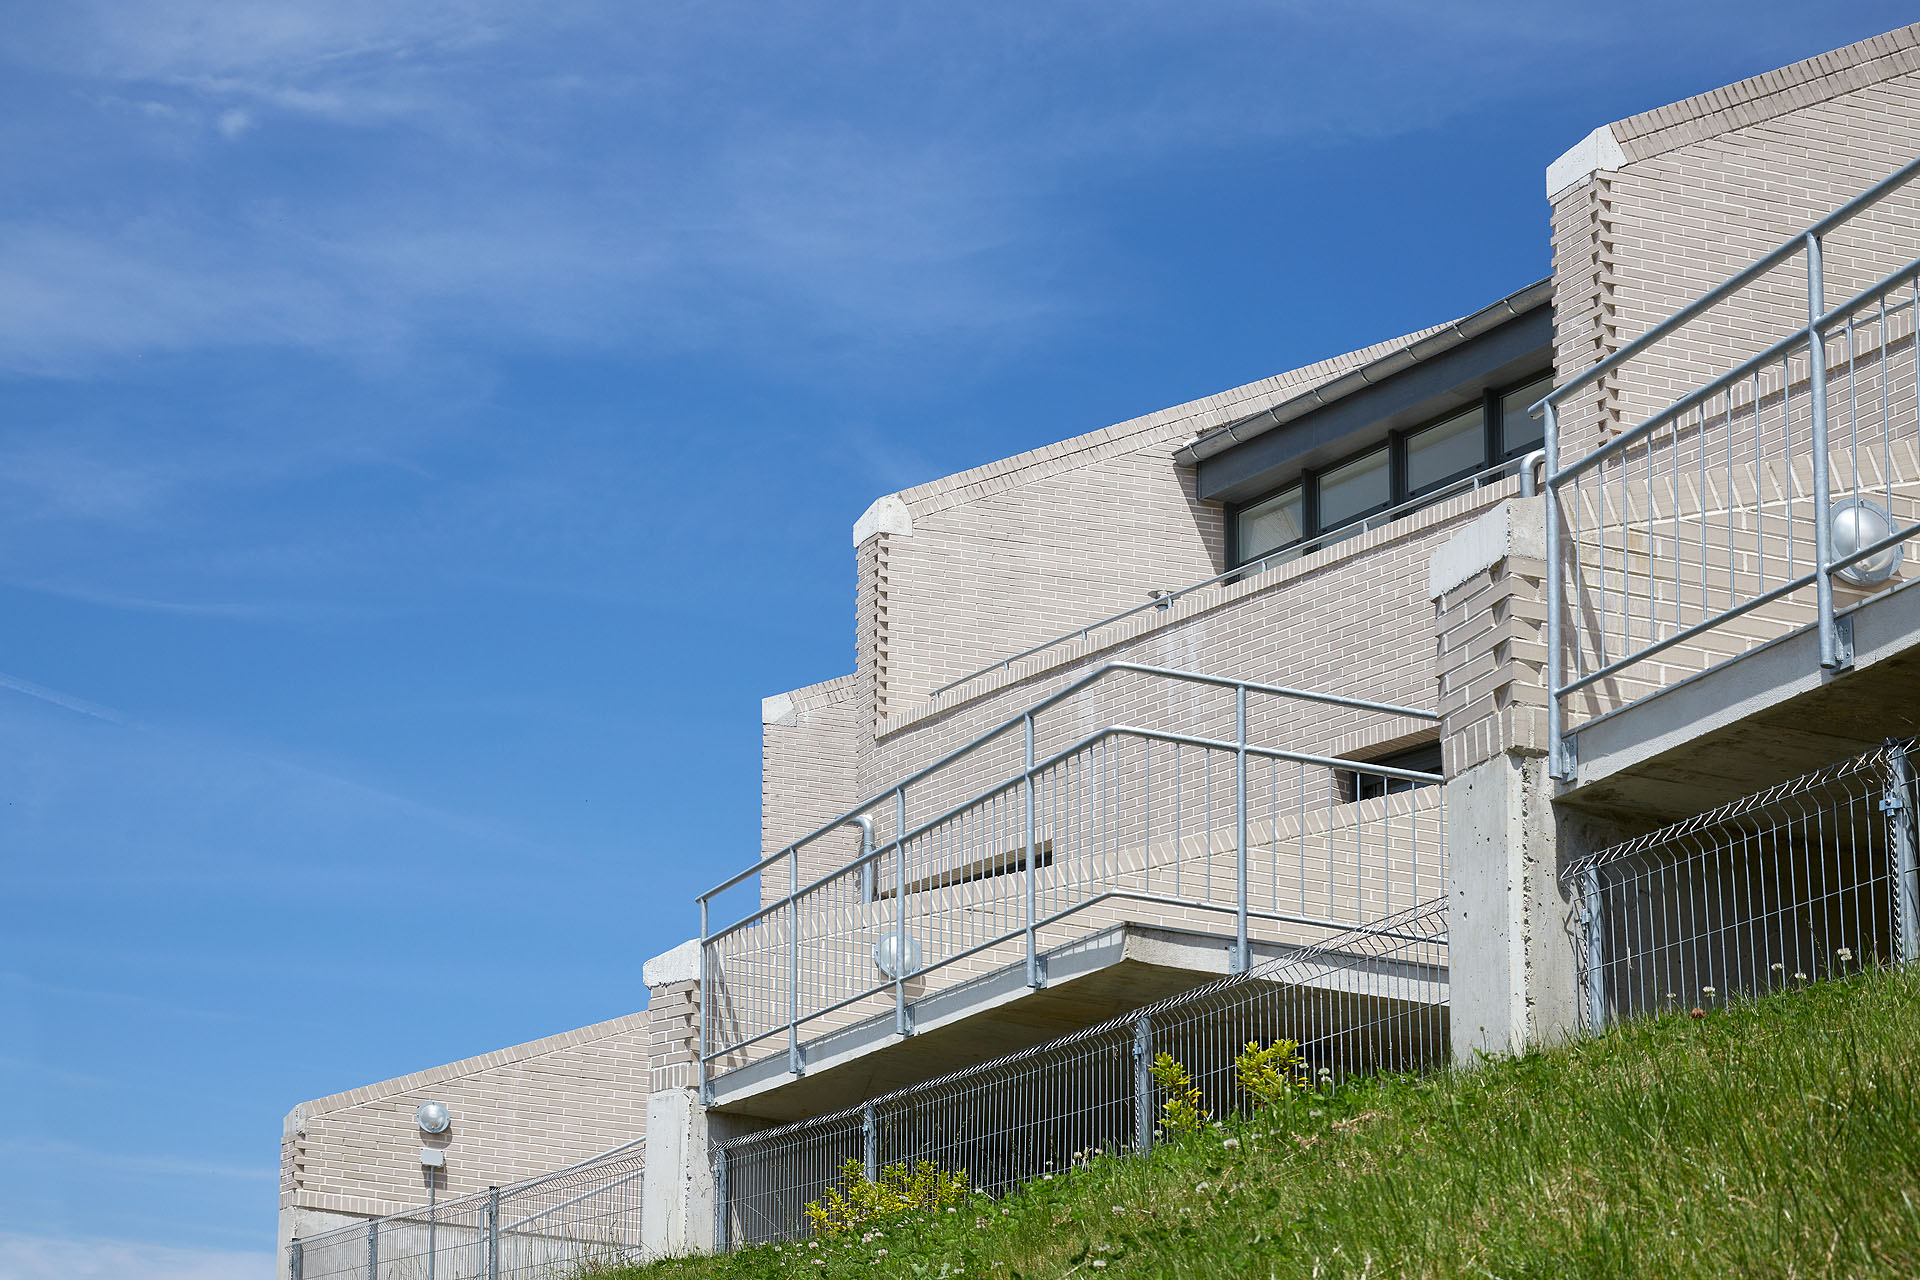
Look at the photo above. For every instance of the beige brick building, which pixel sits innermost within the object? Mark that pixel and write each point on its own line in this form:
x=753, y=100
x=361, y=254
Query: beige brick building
x=1278, y=662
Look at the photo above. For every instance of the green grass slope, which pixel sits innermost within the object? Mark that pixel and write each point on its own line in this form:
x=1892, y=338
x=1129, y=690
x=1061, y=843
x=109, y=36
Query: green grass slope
x=1775, y=1138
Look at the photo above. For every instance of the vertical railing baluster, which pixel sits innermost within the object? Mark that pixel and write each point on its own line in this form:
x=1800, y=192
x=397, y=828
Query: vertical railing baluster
x=793, y=960
x=1032, y=855
x=1240, y=942
x=901, y=1023
x=1830, y=655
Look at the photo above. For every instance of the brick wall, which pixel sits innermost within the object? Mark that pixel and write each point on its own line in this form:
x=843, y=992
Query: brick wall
x=1009, y=555
x=810, y=740
x=1708, y=186
x=517, y=1112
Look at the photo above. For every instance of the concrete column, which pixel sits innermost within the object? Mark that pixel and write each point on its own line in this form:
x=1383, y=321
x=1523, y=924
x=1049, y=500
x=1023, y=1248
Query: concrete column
x=678, y=1199
x=1511, y=924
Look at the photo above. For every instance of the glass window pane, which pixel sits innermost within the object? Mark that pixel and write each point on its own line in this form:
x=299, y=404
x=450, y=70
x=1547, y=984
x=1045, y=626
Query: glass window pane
x=1520, y=433
x=1352, y=490
x=1272, y=523
x=1448, y=449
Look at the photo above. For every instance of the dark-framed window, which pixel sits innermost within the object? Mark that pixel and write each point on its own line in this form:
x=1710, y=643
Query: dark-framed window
x=1425, y=758
x=1411, y=464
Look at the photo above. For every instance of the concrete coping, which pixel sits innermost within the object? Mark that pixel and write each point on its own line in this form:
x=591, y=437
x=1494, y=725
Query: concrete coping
x=1515, y=527
x=682, y=964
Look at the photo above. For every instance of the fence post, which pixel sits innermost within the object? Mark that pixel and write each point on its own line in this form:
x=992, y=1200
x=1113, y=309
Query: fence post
x=870, y=1141
x=295, y=1260
x=373, y=1250
x=1142, y=1083
x=1033, y=860
x=1897, y=803
x=721, y=1235
x=493, y=1233
x=902, y=1024
x=1593, y=927
x=1833, y=652
x=793, y=960
x=1242, y=956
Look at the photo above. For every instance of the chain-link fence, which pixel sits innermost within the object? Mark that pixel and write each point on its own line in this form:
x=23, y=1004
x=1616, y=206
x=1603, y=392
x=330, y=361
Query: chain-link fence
x=1807, y=880
x=1368, y=1000
x=546, y=1228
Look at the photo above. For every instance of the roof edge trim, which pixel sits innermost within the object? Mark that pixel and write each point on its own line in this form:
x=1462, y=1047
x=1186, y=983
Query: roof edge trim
x=1239, y=431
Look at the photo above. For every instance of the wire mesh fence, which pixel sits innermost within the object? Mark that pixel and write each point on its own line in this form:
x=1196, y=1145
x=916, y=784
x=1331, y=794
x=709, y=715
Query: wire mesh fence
x=552, y=1227
x=1368, y=1000
x=1808, y=880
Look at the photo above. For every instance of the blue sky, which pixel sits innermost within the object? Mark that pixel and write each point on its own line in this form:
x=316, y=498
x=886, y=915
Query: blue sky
x=429, y=429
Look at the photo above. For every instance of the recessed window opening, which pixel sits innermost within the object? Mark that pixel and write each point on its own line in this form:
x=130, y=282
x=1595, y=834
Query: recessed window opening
x=1426, y=460
x=1356, y=784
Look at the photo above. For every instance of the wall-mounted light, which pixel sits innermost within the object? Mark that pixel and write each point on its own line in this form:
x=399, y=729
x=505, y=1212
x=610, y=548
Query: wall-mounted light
x=897, y=955
x=432, y=1117
x=1859, y=523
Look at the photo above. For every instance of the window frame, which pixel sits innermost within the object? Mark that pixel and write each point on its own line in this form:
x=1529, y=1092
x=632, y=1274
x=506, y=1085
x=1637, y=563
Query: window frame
x=1398, y=491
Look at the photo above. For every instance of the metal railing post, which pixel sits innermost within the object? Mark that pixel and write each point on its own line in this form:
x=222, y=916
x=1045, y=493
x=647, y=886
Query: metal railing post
x=1242, y=955
x=1559, y=766
x=373, y=1250
x=1830, y=649
x=901, y=1023
x=1143, y=1083
x=706, y=986
x=793, y=960
x=870, y=1141
x=1896, y=802
x=1592, y=927
x=493, y=1233
x=295, y=1260
x=1033, y=860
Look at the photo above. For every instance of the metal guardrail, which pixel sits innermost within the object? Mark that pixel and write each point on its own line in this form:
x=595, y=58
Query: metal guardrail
x=584, y=1216
x=1812, y=879
x=1705, y=498
x=1523, y=467
x=1369, y=1000
x=1123, y=813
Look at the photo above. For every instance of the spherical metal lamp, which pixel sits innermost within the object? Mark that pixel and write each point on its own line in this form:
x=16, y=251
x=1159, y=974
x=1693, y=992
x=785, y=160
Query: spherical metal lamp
x=897, y=955
x=432, y=1117
x=1858, y=523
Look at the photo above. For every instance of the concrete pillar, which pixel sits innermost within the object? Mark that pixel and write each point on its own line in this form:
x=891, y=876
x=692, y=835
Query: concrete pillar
x=1511, y=924
x=678, y=1199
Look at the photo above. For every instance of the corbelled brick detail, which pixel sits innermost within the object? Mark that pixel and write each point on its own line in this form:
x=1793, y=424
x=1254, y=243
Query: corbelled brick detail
x=1490, y=657
x=673, y=1036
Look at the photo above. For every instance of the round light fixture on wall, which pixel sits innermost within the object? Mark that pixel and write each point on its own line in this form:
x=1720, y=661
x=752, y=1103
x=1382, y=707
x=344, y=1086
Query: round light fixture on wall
x=1859, y=523
x=897, y=955
x=432, y=1117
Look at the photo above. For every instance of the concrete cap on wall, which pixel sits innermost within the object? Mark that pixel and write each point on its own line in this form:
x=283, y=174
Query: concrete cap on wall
x=682, y=964
x=1517, y=526
x=778, y=709
x=1598, y=150
x=886, y=515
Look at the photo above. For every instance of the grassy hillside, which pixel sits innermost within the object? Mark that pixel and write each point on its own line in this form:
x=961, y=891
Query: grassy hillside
x=1778, y=1138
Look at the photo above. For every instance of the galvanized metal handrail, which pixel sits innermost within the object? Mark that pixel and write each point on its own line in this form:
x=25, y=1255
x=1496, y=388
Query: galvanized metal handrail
x=1523, y=467
x=1821, y=323
x=1023, y=782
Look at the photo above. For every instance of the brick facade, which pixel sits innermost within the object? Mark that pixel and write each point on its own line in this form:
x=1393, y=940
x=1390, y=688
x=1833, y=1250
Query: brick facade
x=517, y=1113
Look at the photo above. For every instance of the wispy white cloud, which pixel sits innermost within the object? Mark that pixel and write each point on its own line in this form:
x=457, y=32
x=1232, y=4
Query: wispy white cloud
x=26, y=1257
x=47, y=1149
x=58, y=699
